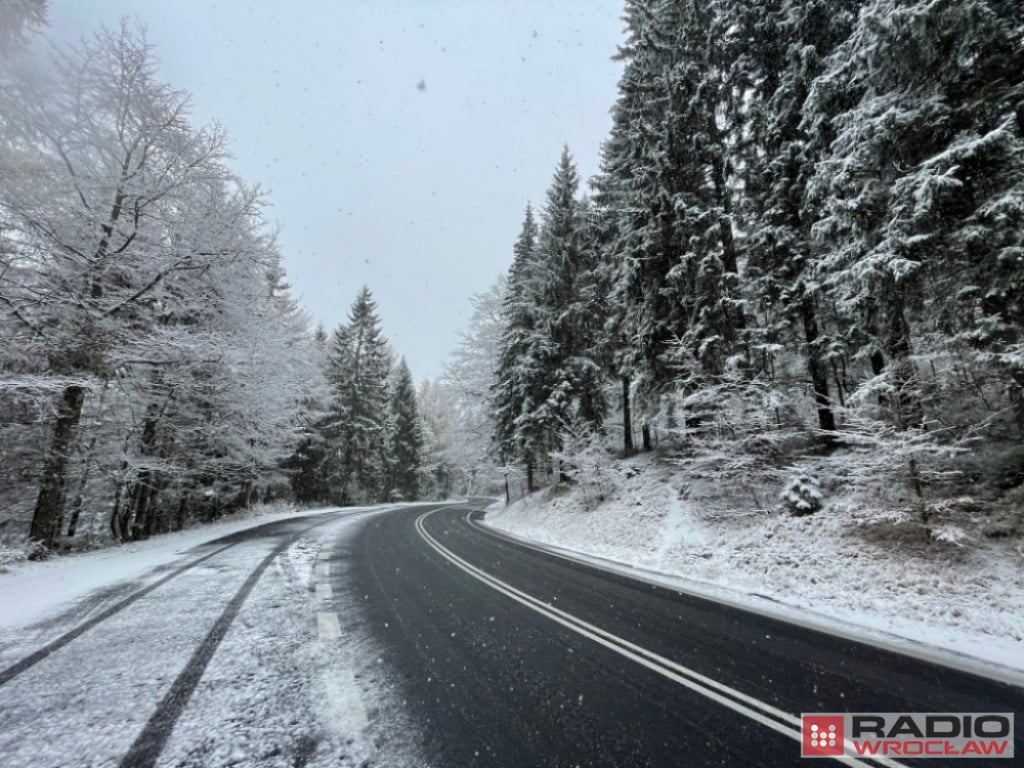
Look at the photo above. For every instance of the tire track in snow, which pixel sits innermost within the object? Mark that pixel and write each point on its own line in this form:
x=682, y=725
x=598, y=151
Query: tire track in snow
x=11, y=672
x=151, y=741
x=34, y=658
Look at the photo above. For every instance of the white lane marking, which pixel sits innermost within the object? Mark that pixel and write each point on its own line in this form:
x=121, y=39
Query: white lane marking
x=813, y=621
x=686, y=677
x=323, y=570
x=344, y=709
x=328, y=626
x=324, y=591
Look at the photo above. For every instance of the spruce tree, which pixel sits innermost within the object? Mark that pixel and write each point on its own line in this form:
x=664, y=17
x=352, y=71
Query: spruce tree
x=514, y=370
x=358, y=366
x=566, y=332
x=921, y=188
x=667, y=167
x=785, y=44
x=406, y=444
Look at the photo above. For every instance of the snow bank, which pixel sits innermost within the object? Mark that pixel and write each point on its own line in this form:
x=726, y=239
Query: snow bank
x=31, y=591
x=962, y=605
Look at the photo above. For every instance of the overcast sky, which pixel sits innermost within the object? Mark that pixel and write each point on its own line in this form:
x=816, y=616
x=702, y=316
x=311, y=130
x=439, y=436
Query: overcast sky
x=400, y=140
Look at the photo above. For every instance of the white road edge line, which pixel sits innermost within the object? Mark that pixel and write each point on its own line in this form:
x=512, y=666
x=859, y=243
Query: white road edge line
x=689, y=678
x=345, y=710
x=328, y=626
x=324, y=591
x=825, y=624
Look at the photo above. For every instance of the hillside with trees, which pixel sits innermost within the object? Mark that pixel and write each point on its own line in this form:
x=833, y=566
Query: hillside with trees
x=156, y=370
x=798, y=270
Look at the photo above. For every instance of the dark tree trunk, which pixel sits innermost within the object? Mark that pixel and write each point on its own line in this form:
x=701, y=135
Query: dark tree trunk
x=46, y=520
x=117, y=518
x=819, y=376
x=1016, y=393
x=143, y=508
x=839, y=377
x=645, y=431
x=909, y=411
x=627, y=420
x=76, y=505
x=179, y=520
x=530, y=488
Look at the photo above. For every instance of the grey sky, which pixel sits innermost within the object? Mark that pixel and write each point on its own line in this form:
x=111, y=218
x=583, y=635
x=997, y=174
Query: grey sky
x=400, y=139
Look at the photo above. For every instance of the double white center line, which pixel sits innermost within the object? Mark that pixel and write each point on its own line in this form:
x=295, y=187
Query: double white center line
x=772, y=717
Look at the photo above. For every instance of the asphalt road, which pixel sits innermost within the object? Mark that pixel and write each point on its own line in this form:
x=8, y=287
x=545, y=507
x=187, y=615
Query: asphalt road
x=509, y=656
x=417, y=637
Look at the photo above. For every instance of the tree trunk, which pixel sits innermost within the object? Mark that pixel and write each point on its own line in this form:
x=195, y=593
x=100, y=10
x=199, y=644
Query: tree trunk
x=179, y=520
x=819, y=376
x=79, y=501
x=627, y=420
x=117, y=520
x=838, y=378
x=1016, y=393
x=909, y=411
x=143, y=508
x=46, y=520
x=645, y=431
x=143, y=497
x=530, y=488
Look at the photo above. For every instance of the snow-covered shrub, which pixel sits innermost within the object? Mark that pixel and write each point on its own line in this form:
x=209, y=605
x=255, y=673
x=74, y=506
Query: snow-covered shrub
x=1005, y=517
x=801, y=496
x=942, y=521
x=9, y=555
x=950, y=534
x=586, y=459
x=733, y=440
x=878, y=460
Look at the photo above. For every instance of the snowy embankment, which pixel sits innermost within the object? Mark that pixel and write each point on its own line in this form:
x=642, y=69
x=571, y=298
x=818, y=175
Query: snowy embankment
x=33, y=590
x=962, y=604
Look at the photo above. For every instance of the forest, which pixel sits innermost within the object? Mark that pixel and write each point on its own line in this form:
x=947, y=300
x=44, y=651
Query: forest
x=799, y=268
x=154, y=362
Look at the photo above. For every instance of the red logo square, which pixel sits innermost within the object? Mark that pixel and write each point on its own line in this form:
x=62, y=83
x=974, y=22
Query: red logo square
x=822, y=736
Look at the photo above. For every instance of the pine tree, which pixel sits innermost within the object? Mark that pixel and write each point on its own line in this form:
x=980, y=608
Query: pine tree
x=515, y=363
x=406, y=444
x=18, y=21
x=667, y=167
x=921, y=190
x=549, y=377
x=784, y=46
x=358, y=366
x=569, y=383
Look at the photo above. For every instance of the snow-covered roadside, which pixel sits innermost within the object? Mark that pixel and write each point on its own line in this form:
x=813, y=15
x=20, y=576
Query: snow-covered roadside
x=964, y=605
x=31, y=591
x=278, y=693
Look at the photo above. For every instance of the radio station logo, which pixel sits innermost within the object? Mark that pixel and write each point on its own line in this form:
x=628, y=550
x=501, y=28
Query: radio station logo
x=907, y=734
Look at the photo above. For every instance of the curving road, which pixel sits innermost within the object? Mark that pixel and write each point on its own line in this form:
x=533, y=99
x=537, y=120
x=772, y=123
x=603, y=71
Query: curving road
x=414, y=636
x=511, y=656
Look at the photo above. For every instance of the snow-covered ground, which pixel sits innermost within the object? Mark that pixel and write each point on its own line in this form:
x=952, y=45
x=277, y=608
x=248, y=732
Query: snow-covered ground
x=963, y=604
x=30, y=591
x=277, y=692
